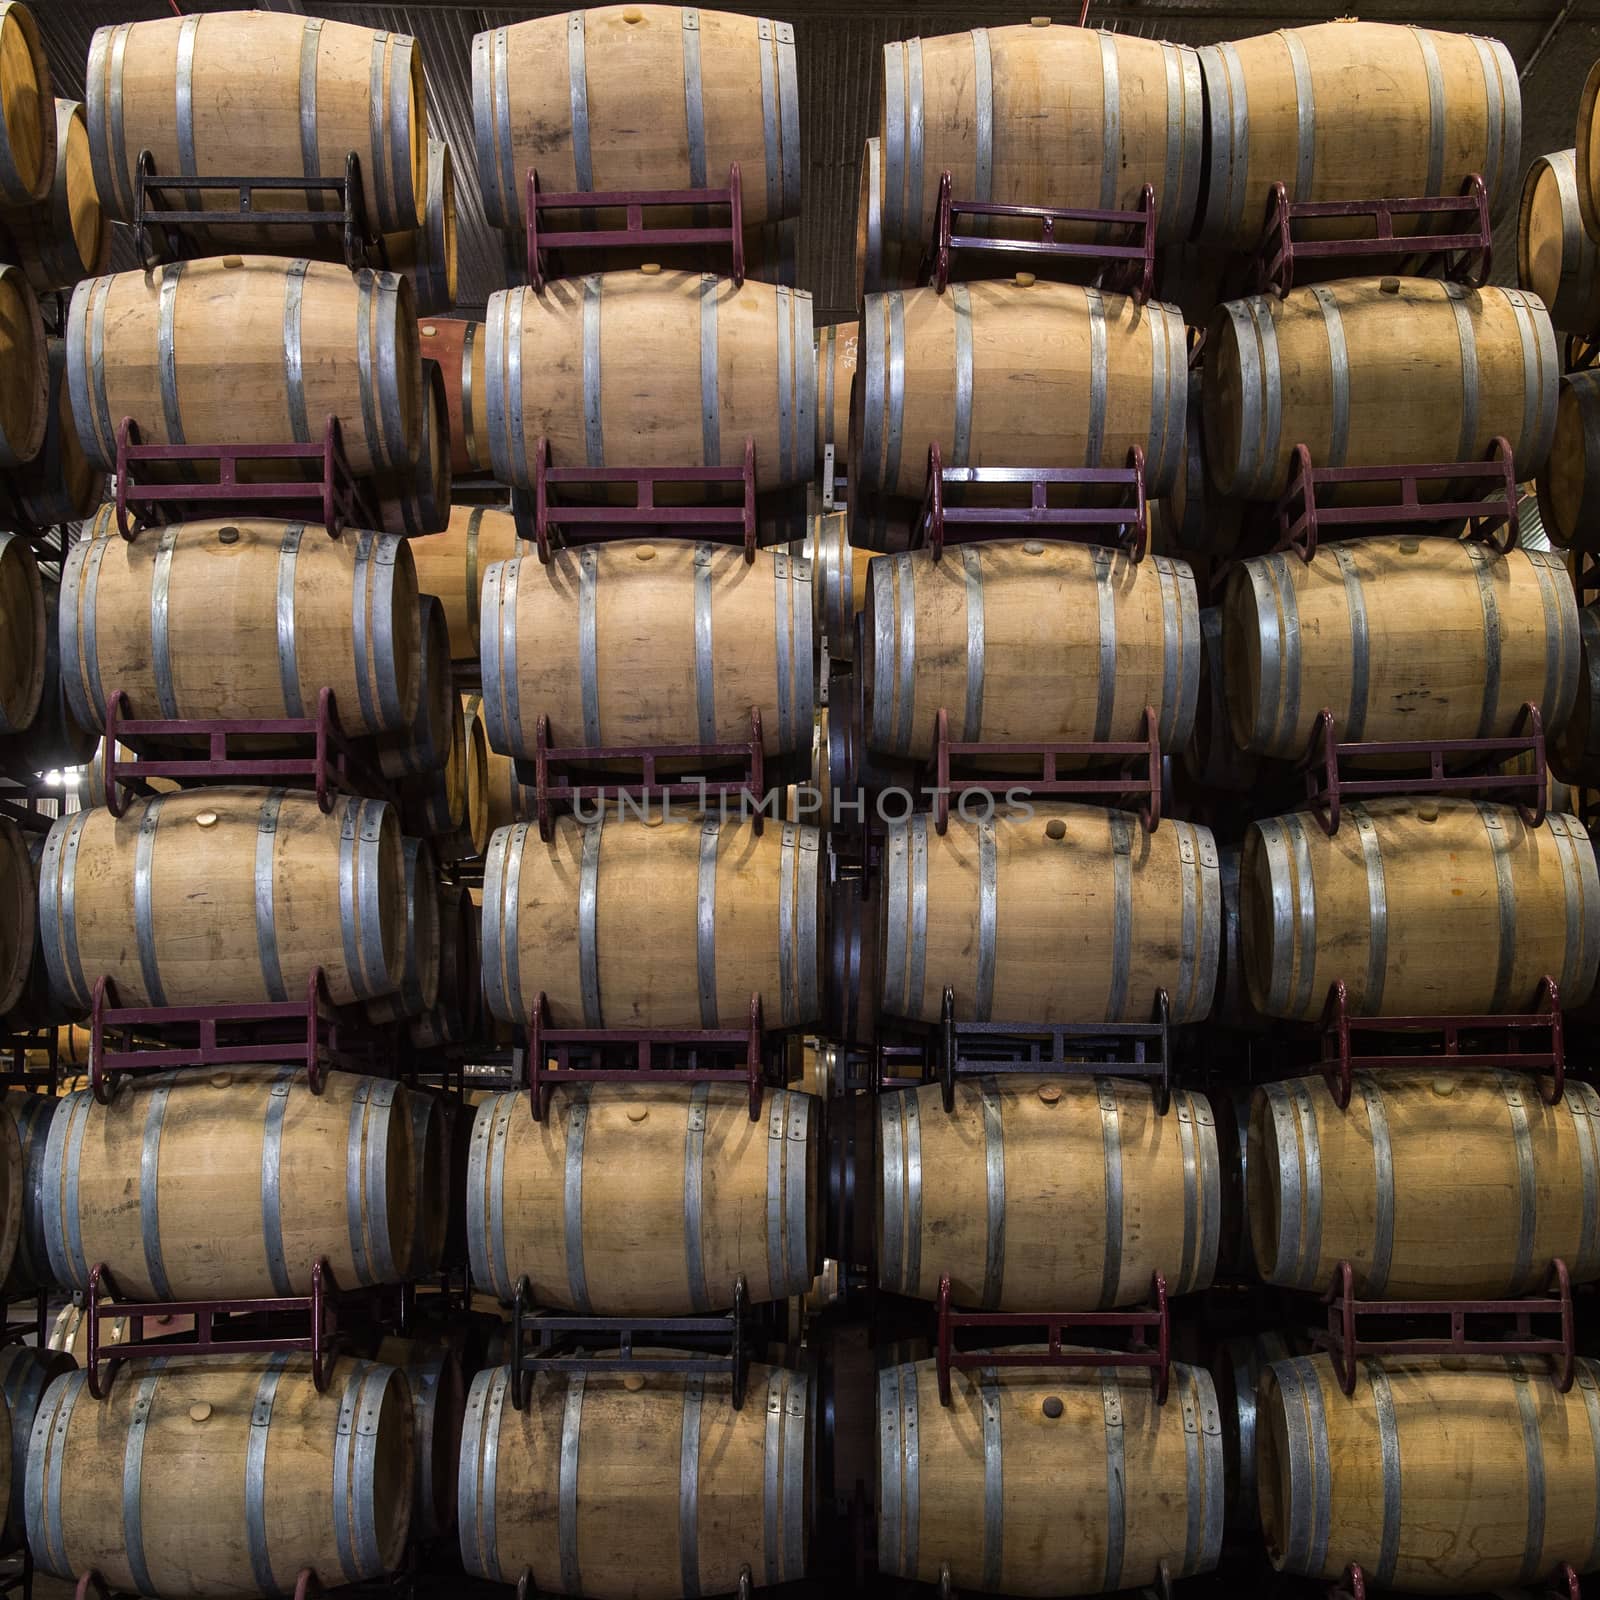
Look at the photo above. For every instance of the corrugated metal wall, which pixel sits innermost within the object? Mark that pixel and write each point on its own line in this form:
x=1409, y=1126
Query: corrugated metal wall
x=839, y=51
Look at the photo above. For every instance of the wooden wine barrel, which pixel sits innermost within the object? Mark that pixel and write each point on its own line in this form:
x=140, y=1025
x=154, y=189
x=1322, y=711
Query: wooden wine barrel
x=186, y=899
x=59, y=484
x=31, y=1114
x=1401, y=638
x=874, y=273
x=1236, y=1372
x=627, y=357
x=1347, y=110
x=1068, y=914
x=1026, y=641
x=54, y=740
x=419, y=981
x=25, y=1374
x=1194, y=519
x=838, y=581
x=851, y=977
x=1020, y=1495
x=1480, y=1214
x=417, y=500
x=25, y=397
x=641, y=1486
x=472, y=838
x=458, y=346
x=508, y=799
x=836, y=370
x=626, y=922
x=1575, y=751
x=454, y=1017
x=306, y=340
x=19, y=909
x=634, y=643
x=1017, y=1158
x=438, y=1408
x=314, y=91
x=434, y=804
x=1437, y=1477
x=1586, y=157
x=66, y=235
x=249, y=618
x=652, y=97
x=1376, y=372
x=1212, y=758
x=246, y=1179
x=22, y=635
x=1421, y=907
x=1019, y=373
x=424, y=746
x=646, y=1199
x=451, y=565
x=248, y=1475
x=427, y=255
x=1569, y=481
x=1039, y=115
x=433, y=1168
x=27, y=110
x=1556, y=258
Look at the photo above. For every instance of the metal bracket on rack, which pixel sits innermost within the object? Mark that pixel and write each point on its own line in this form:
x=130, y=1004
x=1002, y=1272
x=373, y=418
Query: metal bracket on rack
x=302, y=1033
x=1463, y=256
x=1340, y=1034
x=1347, y=1347
x=553, y=1341
x=544, y=242
x=547, y=524
x=1328, y=785
x=335, y=497
x=320, y=1337
x=1304, y=508
x=1139, y=1323
x=1125, y=525
x=555, y=786
x=1122, y=784
x=1127, y=268
x=153, y=226
x=949, y=1051
x=332, y=766
x=591, y=1055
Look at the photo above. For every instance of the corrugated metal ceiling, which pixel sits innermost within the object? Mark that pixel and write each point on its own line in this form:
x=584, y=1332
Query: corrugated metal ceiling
x=839, y=47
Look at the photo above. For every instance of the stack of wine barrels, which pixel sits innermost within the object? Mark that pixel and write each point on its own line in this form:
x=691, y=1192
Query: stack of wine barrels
x=660, y=916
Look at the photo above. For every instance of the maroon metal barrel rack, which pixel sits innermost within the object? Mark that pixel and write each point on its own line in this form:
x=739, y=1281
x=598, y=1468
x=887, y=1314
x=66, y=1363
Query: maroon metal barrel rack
x=332, y=765
x=1123, y=784
x=548, y=524
x=308, y=1322
x=1440, y=1042
x=1148, y=1329
x=543, y=242
x=1463, y=255
x=1347, y=1345
x=1454, y=766
x=1127, y=267
x=631, y=1055
x=1124, y=523
x=557, y=784
x=553, y=1341
x=305, y=1032
x=1309, y=503
x=335, y=497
